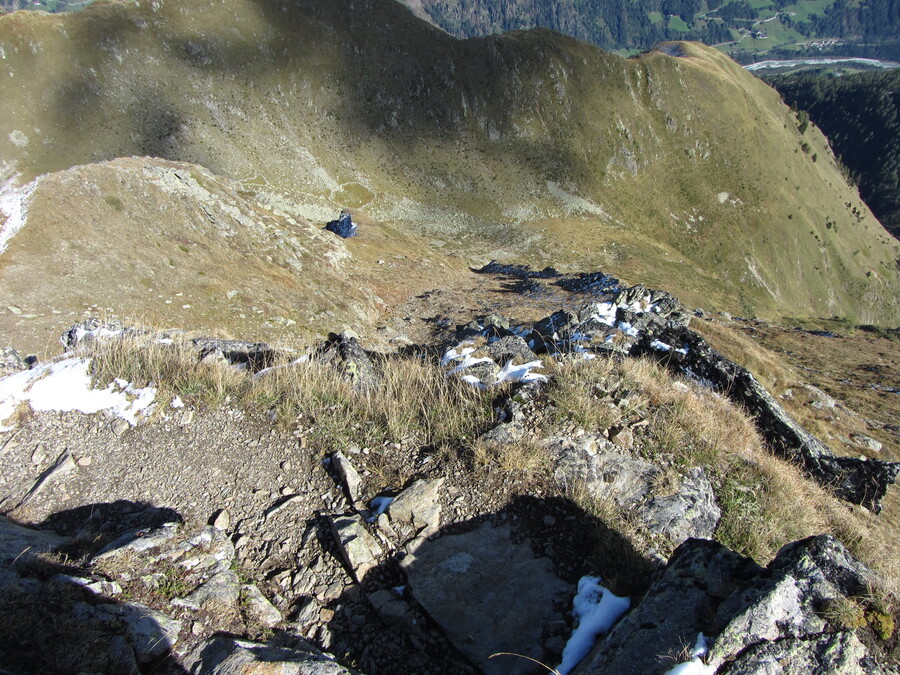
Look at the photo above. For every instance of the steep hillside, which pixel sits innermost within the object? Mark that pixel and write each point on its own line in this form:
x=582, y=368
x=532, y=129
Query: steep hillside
x=860, y=113
x=677, y=168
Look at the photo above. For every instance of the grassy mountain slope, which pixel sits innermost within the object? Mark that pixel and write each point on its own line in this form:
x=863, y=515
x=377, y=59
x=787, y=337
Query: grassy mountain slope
x=530, y=146
x=860, y=112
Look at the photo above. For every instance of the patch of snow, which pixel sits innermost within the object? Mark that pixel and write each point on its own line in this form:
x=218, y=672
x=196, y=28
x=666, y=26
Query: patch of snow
x=695, y=666
x=605, y=312
x=177, y=402
x=661, y=346
x=458, y=352
x=14, y=202
x=521, y=373
x=65, y=386
x=627, y=328
x=379, y=505
x=597, y=610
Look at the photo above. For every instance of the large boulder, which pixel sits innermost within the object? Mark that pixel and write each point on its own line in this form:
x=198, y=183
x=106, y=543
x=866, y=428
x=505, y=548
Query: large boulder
x=343, y=226
x=229, y=656
x=489, y=595
x=760, y=621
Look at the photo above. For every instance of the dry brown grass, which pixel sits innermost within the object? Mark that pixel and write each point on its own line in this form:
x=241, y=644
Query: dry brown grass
x=766, y=502
x=526, y=457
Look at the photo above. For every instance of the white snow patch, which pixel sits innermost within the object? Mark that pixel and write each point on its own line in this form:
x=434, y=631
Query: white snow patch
x=596, y=609
x=695, y=666
x=14, y=202
x=521, y=373
x=65, y=386
x=605, y=312
x=469, y=361
x=627, y=328
x=177, y=402
x=661, y=346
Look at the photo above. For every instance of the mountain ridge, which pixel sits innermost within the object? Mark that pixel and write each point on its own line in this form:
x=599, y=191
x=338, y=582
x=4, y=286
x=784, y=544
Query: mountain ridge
x=678, y=167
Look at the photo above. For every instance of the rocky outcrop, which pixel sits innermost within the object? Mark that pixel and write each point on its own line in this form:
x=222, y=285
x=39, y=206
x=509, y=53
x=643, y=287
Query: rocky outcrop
x=343, y=227
x=860, y=481
x=751, y=616
x=687, y=510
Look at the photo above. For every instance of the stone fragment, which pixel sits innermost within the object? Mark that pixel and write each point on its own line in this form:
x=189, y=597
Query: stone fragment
x=510, y=347
x=56, y=472
x=221, y=592
x=119, y=426
x=344, y=352
x=349, y=476
x=222, y=520
x=139, y=541
x=690, y=512
x=623, y=438
x=359, y=549
x=259, y=607
x=10, y=362
x=149, y=632
x=419, y=506
x=229, y=656
x=488, y=594
x=866, y=442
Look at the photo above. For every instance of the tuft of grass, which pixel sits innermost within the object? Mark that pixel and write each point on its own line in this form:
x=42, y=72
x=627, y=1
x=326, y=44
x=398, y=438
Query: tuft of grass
x=526, y=457
x=414, y=403
x=172, y=366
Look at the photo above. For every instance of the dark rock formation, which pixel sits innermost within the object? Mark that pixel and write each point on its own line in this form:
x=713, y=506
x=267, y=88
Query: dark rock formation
x=858, y=481
x=344, y=352
x=254, y=355
x=343, y=226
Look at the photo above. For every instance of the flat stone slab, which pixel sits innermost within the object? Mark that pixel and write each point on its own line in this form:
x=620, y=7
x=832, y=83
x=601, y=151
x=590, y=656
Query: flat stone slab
x=489, y=595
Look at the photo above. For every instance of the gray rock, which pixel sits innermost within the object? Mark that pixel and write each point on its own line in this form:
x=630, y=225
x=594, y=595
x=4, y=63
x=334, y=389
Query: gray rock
x=345, y=353
x=221, y=592
x=829, y=654
x=349, y=476
x=53, y=474
x=259, y=607
x=690, y=512
x=11, y=362
x=359, y=549
x=488, y=594
x=121, y=657
x=866, y=442
x=785, y=603
x=254, y=355
x=209, y=551
x=510, y=347
x=149, y=632
x=761, y=621
x=419, y=506
x=648, y=639
x=228, y=656
x=19, y=543
x=139, y=541
x=590, y=461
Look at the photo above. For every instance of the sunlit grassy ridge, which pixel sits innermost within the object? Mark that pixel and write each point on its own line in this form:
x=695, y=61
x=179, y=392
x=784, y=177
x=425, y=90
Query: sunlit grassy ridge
x=766, y=502
x=678, y=168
